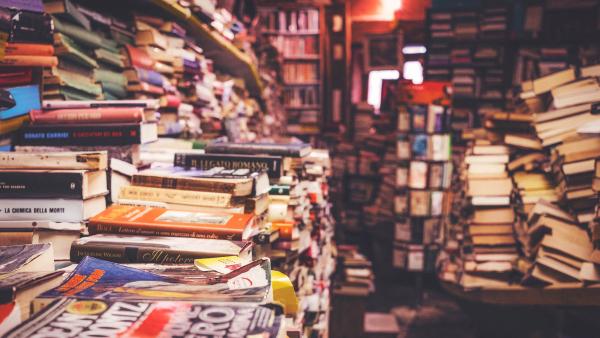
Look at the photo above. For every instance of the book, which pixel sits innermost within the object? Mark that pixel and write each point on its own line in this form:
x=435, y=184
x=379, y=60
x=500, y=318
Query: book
x=87, y=135
x=122, y=219
x=28, y=49
x=59, y=234
x=271, y=164
x=273, y=149
x=153, y=318
x=177, y=196
x=545, y=84
x=74, y=184
x=145, y=104
x=240, y=182
x=60, y=160
x=156, y=249
x=87, y=115
x=51, y=209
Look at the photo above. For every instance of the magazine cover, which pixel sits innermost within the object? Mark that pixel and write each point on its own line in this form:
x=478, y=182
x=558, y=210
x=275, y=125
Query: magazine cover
x=72, y=317
x=98, y=279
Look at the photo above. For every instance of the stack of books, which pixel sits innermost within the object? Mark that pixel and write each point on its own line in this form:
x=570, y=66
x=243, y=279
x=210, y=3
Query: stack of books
x=117, y=126
x=47, y=197
x=494, y=23
x=27, y=48
x=355, y=275
x=423, y=176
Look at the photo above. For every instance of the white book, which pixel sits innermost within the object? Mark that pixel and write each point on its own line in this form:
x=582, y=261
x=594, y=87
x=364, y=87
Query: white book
x=51, y=209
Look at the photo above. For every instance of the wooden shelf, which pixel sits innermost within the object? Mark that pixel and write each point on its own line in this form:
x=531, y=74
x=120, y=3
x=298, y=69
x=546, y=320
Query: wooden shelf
x=566, y=295
x=226, y=56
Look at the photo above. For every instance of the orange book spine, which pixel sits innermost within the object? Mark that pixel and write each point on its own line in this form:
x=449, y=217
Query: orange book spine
x=286, y=230
x=29, y=61
x=29, y=49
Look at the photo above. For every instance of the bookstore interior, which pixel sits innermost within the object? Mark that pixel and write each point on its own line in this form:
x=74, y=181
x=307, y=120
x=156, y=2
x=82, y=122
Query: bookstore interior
x=287, y=169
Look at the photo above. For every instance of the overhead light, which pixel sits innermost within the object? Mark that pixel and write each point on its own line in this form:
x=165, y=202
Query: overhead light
x=415, y=49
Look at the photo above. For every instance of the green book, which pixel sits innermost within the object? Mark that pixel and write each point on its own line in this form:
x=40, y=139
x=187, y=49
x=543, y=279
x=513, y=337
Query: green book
x=109, y=57
x=84, y=36
x=66, y=10
x=75, y=82
x=66, y=48
x=106, y=75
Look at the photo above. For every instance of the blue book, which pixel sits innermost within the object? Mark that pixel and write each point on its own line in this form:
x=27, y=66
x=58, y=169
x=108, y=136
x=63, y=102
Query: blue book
x=419, y=146
x=26, y=98
x=150, y=76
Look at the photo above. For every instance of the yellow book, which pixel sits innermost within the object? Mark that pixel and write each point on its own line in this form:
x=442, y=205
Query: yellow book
x=10, y=125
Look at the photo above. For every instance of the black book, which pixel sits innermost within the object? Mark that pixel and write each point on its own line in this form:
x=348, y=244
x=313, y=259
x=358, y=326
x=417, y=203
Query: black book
x=70, y=184
x=26, y=27
x=273, y=149
x=87, y=134
x=271, y=164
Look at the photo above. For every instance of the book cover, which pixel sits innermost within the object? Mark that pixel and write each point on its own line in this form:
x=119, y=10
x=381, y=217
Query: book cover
x=123, y=219
x=419, y=117
x=175, y=196
x=143, y=318
x=418, y=175
x=87, y=115
x=271, y=164
x=26, y=98
x=155, y=249
x=420, y=146
x=87, y=135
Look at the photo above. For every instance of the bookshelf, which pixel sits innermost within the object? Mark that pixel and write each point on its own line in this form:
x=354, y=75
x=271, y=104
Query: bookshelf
x=225, y=54
x=423, y=175
x=297, y=33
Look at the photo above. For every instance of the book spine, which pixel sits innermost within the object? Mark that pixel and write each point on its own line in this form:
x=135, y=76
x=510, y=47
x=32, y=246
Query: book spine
x=150, y=76
x=79, y=135
x=133, y=254
x=29, y=61
x=150, y=230
x=28, y=49
x=181, y=184
x=53, y=161
x=205, y=162
x=56, y=210
x=252, y=150
x=199, y=198
x=41, y=185
x=104, y=115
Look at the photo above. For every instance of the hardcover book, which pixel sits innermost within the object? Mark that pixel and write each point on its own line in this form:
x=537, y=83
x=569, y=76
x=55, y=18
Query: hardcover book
x=74, y=184
x=26, y=98
x=271, y=164
x=148, y=221
x=273, y=149
x=59, y=160
x=156, y=249
x=88, y=134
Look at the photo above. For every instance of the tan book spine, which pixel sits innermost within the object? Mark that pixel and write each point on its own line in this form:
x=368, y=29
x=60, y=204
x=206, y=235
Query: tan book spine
x=200, y=198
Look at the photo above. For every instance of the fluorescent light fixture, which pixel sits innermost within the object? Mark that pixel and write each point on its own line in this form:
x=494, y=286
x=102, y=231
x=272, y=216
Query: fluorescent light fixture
x=413, y=70
x=414, y=50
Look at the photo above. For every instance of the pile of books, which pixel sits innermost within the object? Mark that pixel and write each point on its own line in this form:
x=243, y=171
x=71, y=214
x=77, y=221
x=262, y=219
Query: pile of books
x=193, y=226
x=538, y=191
x=423, y=176
x=26, y=47
x=117, y=126
x=354, y=273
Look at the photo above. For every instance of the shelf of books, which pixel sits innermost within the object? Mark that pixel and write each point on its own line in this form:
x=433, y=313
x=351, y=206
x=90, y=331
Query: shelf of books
x=423, y=175
x=138, y=179
x=216, y=45
x=296, y=33
x=524, y=223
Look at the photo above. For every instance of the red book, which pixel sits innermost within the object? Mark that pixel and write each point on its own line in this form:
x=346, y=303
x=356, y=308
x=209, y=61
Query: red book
x=87, y=115
x=170, y=101
x=139, y=58
x=29, y=49
x=15, y=76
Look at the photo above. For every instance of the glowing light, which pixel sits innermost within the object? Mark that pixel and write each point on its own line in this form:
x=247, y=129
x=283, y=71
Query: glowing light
x=413, y=70
x=389, y=8
x=414, y=50
x=376, y=78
